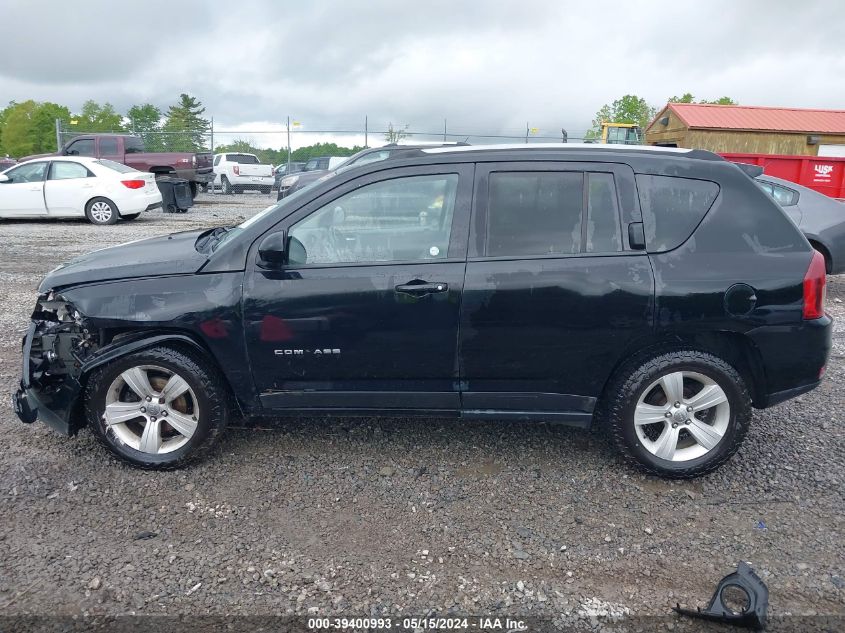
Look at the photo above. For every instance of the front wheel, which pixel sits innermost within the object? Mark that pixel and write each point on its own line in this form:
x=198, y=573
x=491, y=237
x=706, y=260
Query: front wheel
x=680, y=414
x=101, y=211
x=159, y=408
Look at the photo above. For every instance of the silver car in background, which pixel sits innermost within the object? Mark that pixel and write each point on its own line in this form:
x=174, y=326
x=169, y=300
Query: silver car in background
x=820, y=218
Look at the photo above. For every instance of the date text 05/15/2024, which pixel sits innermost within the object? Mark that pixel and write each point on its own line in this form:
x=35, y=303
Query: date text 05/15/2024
x=478, y=623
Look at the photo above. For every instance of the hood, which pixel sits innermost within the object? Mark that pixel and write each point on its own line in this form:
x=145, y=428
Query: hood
x=172, y=254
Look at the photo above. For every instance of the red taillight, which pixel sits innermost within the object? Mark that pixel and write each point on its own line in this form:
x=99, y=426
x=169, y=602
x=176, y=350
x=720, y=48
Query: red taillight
x=237, y=170
x=133, y=184
x=814, y=287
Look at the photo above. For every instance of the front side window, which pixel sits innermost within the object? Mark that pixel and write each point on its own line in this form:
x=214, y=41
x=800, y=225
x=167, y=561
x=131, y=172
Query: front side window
x=67, y=171
x=108, y=147
x=32, y=172
x=534, y=213
x=403, y=219
x=82, y=147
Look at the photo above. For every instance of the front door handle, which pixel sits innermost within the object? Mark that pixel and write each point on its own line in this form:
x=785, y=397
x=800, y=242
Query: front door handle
x=420, y=288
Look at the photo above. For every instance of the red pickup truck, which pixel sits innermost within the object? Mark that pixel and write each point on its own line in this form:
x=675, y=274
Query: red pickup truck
x=129, y=150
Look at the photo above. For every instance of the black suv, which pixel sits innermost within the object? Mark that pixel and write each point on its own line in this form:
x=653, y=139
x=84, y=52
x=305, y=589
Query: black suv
x=658, y=291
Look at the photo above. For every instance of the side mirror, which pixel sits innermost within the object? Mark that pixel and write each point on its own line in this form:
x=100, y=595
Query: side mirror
x=273, y=248
x=71, y=152
x=4, y=178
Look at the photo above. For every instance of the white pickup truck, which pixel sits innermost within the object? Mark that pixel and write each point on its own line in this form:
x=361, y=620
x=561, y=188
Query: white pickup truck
x=238, y=172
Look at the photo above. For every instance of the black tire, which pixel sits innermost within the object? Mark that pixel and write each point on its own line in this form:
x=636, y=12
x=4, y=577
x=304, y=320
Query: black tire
x=194, y=189
x=203, y=379
x=225, y=187
x=101, y=211
x=266, y=190
x=635, y=377
x=130, y=216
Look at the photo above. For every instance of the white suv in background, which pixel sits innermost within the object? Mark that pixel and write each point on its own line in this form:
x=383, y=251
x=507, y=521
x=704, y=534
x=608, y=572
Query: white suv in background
x=239, y=172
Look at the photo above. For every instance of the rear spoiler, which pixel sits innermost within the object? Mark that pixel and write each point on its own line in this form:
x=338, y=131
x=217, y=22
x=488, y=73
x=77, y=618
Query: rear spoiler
x=752, y=171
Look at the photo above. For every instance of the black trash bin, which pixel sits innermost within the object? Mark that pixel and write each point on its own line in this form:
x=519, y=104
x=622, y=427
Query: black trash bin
x=175, y=194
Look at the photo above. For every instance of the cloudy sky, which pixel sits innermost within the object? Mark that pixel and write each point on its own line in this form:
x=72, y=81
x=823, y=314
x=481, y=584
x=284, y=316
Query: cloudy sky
x=485, y=67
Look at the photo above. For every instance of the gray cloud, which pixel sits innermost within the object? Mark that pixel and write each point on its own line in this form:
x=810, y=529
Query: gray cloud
x=485, y=66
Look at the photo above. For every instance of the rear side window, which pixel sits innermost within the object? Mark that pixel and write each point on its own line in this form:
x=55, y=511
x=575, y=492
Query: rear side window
x=672, y=208
x=217, y=159
x=784, y=196
x=603, y=232
x=534, y=213
x=108, y=146
x=133, y=145
x=64, y=170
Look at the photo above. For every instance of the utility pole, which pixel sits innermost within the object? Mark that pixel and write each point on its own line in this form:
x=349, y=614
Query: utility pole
x=444, y=130
x=527, y=130
x=58, y=134
x=212, y=134
x=366, y=132
x=288, y=169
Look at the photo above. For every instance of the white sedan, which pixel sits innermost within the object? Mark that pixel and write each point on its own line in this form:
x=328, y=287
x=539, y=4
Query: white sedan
x=74, y=187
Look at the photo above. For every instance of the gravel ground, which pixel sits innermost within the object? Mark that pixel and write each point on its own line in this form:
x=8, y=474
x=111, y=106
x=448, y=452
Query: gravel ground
x=405, y=517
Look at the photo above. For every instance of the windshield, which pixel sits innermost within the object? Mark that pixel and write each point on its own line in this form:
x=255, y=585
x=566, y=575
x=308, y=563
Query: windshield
x=243, y=159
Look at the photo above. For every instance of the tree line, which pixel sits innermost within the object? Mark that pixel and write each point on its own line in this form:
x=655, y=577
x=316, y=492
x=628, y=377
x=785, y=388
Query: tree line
x=634, y=109
x=29, y=127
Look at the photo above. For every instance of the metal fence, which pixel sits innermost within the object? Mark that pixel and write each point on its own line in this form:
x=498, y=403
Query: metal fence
x=289, y=135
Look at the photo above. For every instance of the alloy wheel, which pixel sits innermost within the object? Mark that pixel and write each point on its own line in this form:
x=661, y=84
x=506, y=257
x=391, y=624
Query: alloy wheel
x=683, y=415
x=101, y=211
x=151, y=409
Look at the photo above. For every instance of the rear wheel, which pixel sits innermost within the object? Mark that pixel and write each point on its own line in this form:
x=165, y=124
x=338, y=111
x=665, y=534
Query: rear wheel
x=101, y=211
x=158, y=409
x=679, y=414
x=828, y=263
x=225, y=187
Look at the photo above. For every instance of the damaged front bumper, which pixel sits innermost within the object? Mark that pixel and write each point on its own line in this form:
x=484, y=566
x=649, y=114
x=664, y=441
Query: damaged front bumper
x=54, y=349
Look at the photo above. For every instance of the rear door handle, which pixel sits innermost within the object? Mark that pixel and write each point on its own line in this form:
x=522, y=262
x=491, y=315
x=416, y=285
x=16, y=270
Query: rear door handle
x=419, y=288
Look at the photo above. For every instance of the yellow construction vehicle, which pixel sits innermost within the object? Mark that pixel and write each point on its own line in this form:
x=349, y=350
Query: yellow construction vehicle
x=621, y=133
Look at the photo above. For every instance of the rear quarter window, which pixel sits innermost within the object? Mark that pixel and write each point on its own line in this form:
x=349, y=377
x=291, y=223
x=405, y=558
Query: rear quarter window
x=672, y=207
